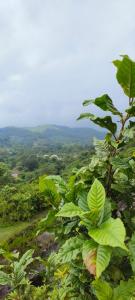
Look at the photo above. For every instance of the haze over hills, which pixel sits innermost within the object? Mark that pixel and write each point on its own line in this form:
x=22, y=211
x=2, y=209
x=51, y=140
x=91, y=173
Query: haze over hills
x=47, y=134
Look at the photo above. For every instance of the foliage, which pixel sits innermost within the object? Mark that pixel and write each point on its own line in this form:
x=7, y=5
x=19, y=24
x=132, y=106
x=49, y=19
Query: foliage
x=16, y=279
x=98, y=209
x=92, y=212
x=20, y=202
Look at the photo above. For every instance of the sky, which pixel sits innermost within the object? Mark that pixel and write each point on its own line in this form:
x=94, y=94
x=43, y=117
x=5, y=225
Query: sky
x=56, y=53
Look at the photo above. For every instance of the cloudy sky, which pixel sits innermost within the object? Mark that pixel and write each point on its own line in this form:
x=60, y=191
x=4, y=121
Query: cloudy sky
x=55, y=53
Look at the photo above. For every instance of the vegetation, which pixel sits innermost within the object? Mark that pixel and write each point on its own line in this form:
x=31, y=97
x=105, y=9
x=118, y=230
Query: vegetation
x=91, y=213
x=8, y=231
x=47, y=135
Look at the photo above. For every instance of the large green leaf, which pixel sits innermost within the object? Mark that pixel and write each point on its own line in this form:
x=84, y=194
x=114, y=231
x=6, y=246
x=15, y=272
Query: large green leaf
x=125, y=290
x=111, y=233
x=105, y=103
x=96, y=196
x=102, y=290
x=70, y=210
x=105, y=122
x=126, y=75
x=82, y=201
x=102, y=259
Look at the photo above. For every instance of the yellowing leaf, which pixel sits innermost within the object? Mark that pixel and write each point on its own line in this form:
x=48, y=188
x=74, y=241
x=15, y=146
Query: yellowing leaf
x=96, y=257
x=90, y=262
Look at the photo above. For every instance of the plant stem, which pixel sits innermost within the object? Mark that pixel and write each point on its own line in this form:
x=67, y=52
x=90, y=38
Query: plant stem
x=110, y=173
x=123, y=122
x=124, y=119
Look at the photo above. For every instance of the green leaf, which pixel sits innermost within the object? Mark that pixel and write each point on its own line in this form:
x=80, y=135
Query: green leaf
x=131, y=124
x=70, y=210
x=20, y=266
x=117, y=63
x=132, y=252
x=25, y=260
x=88, y=219
x=59, y=183
x=102, y=290
x=70, y=194
x=126, y=75
x=105, y=103
x=85, y=116
x=9, y=255
x=111, y=233
x=48, y=187
x=96, y=196
x=101, y=148
x=88, y=102
x=121, y=163
x=103, y=259
x=48, y=221
x=125, y=290
x=107, y=210
x=70, y=226
x=131, y=111
x=70, y=250
x=5, y=279
x=105, y=122
x=82, y=201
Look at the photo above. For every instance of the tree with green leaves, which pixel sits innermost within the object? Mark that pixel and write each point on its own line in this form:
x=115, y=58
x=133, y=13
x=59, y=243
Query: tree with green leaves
x=96, y=211
x=92, y=214
x=116, y=137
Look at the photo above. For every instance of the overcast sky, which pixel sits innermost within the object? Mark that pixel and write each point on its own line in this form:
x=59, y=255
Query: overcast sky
x=55, y=53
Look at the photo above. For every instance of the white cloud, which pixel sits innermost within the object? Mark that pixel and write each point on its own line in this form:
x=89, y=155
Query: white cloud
x=15, y=77
x=55, y=53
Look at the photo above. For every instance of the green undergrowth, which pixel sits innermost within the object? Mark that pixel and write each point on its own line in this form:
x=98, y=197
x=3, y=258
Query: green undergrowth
x=18, y=235
x=8, y=231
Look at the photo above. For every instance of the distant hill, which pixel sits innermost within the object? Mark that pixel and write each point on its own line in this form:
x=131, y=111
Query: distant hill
x=47, y=134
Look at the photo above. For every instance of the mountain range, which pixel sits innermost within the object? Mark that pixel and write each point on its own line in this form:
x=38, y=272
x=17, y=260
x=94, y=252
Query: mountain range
x=48, y=134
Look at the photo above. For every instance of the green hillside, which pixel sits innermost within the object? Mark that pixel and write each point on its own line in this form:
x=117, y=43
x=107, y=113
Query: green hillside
x=47, y=134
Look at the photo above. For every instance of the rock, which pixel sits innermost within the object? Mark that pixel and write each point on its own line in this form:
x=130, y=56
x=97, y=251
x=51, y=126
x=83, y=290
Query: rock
x=46, y=241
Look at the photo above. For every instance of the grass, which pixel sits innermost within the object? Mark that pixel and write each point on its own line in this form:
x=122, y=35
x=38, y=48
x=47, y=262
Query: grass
x=8, y=231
